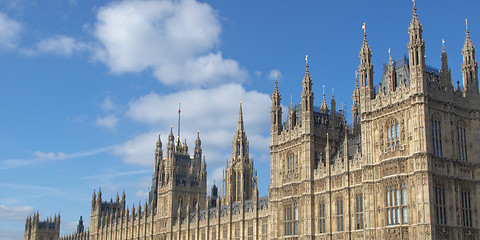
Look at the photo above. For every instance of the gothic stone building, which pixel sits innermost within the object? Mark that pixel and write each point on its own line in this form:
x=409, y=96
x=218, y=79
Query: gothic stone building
x=407, y=167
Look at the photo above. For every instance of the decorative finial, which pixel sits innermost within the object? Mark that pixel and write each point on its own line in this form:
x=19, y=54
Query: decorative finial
x=323, y=90
x=389, y=51
x=414, y=8
x=466, y=24
x=306, y=59
x=364, y=29
x=443, y=44
x=356, y=74
x=275, y=76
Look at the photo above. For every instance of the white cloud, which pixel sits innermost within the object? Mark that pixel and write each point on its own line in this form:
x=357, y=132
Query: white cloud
x=213, y=111
x=14, y=213
x=42, y=157
x=50, y=155
x=109, y=121
x=139, y=150
x=58, y=45
x=141, y=194
x=72, y=3
x=174, y=39
x=9, y=31
x=271, y=74
x=107, y=104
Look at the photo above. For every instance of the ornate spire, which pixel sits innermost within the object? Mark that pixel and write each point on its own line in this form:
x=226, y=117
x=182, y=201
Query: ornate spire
x=198, y=142
x=179, y=104
x=365, y=68
x=389, y=57
x=324, y=106
x=240, y=119
x=185, y=147
x=307, y=80
x=159, y=144
x=333, y=102
x=415, y=21
x=467, y=46
x=307, y=94
x=171, y=138
x=469, y=66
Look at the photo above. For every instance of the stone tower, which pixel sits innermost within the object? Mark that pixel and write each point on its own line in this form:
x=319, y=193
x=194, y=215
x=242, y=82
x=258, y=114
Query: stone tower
x=239, y=180
x=179, y=184
x=299, y=148
x=42, y=230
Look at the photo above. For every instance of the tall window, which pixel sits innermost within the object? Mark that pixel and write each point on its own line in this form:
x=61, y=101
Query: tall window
x=225, y=233
x=291, y=163
x=436, y=137
x=214, y=234
x=359, y=211
x=291, y=220
x=321, y=215
x=396, y=204
x=264, y=231
x=237, y=233
x=393, y=133
x=440, y=205
x=250, y=232
x=340, y=215
x=466, y=209
x=462, y=142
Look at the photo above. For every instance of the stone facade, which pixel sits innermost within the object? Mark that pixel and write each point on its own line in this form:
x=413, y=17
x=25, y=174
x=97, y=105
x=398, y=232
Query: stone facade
x=406, y=168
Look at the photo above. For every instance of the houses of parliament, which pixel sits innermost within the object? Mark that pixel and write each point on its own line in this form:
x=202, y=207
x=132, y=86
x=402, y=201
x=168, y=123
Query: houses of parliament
x=407, y=167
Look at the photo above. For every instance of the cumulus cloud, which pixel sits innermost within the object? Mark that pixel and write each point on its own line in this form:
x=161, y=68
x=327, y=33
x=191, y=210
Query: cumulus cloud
x=14, y=212
x=213, y=111
x=9, y=31
x=139, y=150
x=174, y=39
x=109, y=121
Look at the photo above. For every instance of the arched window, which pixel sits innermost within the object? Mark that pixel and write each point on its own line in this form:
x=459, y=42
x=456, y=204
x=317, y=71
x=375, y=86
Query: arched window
x=339, y=215
x=321, y=215
x=291, y=219
x=393, y=132
x=461, y=141
x=396, y=204
x=436, y=136
x=291, y=164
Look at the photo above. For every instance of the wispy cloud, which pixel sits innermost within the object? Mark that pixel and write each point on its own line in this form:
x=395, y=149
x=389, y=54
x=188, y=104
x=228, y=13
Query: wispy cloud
x=107, y=104
x=41, y=157
x=110, y=121
x=9, y=31
x=14, y=213
x=112, y=175
x=57, y=45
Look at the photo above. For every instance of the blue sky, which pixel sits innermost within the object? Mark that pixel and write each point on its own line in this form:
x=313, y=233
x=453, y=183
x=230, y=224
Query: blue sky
x=87, y=85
